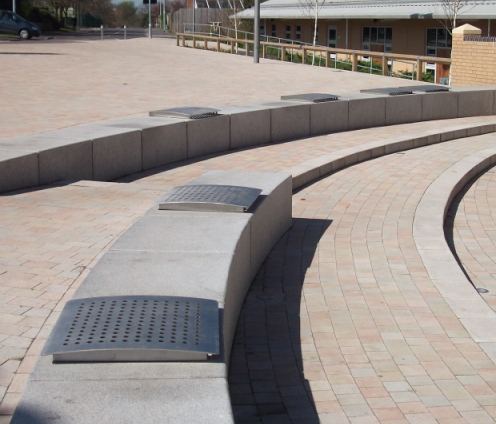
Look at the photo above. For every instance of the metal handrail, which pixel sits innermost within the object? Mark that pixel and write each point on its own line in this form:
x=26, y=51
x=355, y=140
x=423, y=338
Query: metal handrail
x=211, y=30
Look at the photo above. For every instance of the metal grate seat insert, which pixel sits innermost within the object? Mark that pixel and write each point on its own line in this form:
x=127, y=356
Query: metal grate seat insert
x=186, y=112
x=213, y=198
x=389, y=91
x=135, y=329
x=428, y=88
x=311, y=97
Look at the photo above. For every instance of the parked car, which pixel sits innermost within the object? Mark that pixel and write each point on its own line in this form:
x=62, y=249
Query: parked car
x=12, y=23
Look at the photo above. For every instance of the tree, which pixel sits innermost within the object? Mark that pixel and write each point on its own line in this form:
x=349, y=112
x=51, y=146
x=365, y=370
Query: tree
x=452, y=10
x=174, y=5
x=312, y=8
x=103, y=9
x=126, y=14
x=237, y=6
x=143, y=13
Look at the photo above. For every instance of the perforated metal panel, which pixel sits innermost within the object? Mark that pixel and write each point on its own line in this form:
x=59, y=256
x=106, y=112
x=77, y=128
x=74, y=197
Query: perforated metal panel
x=214, y=198
x=389, y=91
x=311, y=97
x=427, y=88
x=135, y=328
x=186, y=112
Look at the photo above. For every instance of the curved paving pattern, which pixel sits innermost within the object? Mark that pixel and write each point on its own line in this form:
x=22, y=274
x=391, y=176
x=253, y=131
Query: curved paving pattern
x=343, y=323
x=471, y=229
x=55, y=235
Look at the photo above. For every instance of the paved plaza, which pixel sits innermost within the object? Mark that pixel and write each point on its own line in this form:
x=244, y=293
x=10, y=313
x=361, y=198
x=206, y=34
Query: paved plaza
x=47, y=85
x=342, y=323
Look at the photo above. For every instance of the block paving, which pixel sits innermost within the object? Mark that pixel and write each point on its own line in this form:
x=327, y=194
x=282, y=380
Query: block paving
x=342, y=323
x=471, y=227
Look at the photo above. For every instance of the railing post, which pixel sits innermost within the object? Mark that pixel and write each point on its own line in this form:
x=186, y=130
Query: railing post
x=125, y=32
x=303, y=55
x=218, y=44
x=183, y=37
x=328, y=58
x=194, y=42
x=205, y=43
x=232, y=47
x=419, y=69
x=101, y=32
x=283, y=53
x=247, y=47
x=384, y=65
x=177, y=40
x=354, y=61
x=264, y=51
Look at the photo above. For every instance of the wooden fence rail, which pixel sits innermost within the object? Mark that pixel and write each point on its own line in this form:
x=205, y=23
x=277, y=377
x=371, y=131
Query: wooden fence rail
x=417, y=61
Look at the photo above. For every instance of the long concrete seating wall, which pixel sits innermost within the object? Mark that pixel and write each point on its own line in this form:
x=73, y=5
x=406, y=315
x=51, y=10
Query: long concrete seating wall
x=211, y=255
x=108, y=151
x=199, y=254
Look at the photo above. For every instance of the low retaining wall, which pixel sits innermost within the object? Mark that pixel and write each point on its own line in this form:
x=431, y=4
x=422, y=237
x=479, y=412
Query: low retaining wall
x=197, y=254
x=108, y=151
x=313, y=169
x=468, y=306
x=211, y=255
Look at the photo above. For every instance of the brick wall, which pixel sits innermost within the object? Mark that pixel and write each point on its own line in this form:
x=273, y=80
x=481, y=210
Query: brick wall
x=473, y=62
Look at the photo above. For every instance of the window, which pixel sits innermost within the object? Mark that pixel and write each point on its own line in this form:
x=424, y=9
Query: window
x=332, y=32
x=389, y=36
x=298, y=32
x=273, y=32
x=377, y=39
x=8, y=16
x=366, y=35
x=262, y=29
x=381, y=35
x=438, y=42
x=288, y=32
x=373, y=35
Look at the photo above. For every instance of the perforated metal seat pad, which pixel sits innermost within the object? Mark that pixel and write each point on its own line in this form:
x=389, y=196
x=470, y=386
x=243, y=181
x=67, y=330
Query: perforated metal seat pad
x=136, y=322
x=210, y=197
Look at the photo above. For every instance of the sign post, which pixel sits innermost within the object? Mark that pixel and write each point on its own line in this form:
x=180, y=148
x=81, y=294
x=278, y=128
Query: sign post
x=256, y=43
x=150, y=2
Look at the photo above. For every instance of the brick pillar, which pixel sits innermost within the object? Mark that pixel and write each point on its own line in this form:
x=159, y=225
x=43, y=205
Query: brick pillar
x=462, y=56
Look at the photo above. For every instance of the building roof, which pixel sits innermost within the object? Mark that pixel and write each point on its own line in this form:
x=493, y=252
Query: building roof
x=378, y=9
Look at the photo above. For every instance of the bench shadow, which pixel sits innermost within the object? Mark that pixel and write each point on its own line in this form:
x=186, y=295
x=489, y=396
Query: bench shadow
x=266, y=379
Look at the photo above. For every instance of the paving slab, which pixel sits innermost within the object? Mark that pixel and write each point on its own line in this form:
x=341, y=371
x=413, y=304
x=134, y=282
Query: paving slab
x=369, y=307
x=113, y=79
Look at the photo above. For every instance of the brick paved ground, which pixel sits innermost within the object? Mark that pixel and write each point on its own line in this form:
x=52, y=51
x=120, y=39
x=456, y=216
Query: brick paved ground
x=343, y=323
x=471, y=221
x=48, y=86
x=388, y=344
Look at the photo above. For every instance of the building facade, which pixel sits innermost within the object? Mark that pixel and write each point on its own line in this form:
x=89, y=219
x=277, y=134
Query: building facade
x=417, y=28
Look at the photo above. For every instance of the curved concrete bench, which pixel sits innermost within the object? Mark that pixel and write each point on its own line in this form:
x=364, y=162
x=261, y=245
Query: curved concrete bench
x=212, y=255
x=313, y=169
x=73, y=392
x=472, y=310
x=183, y=246
x=111, y=150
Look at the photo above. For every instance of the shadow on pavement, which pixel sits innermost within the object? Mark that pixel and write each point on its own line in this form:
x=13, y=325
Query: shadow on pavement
x=266, y=379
